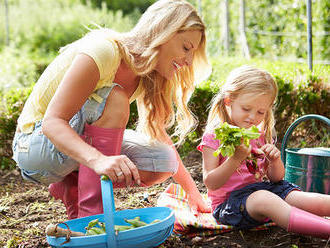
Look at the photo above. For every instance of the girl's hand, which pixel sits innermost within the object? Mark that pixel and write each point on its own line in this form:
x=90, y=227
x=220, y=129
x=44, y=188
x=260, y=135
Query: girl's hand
x=117, y=168
x=275, y=170
x=241, y=152
x=271, y=152
x=197, y=204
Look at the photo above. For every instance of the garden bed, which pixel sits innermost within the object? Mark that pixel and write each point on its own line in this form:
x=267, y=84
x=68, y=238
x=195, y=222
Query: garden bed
x=26, y=209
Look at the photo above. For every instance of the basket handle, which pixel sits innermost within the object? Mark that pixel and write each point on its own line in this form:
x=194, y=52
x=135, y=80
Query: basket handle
x=294, y=125
x=109, y=212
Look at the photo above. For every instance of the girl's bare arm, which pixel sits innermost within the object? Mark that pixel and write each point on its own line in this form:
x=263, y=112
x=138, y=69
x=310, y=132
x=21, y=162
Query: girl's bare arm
x=215, y=175
x=275, y=170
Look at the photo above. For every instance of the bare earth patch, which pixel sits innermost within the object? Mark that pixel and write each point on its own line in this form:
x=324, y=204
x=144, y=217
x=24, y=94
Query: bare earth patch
x=26, y=209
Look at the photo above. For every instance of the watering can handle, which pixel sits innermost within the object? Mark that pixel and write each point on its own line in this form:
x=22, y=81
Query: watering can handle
x=109, y=212
x=294, y=125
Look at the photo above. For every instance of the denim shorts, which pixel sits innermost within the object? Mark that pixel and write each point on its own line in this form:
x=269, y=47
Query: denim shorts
x=41, y=162
x=233, y=211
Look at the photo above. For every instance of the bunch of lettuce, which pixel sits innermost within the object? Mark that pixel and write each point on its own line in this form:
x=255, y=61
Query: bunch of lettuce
x=230, y=137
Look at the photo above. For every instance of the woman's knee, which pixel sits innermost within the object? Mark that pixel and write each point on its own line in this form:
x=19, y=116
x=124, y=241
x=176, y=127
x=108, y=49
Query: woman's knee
x=116, y=110
x=156, y=157
x=149, y=178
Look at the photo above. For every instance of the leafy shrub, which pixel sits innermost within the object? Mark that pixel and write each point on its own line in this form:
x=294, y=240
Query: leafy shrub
x=17, y=69
x=307, y=97
x=126, y=6
x=11, y=106
x=56, y=23
x=35, y=39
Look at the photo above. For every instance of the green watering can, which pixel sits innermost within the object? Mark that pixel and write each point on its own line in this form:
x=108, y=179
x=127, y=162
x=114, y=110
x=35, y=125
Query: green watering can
x=307, y=167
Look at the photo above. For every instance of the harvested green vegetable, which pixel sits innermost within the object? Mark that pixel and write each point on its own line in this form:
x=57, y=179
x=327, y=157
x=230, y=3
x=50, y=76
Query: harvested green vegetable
x=136, y=222
x=92, y=223
x=230, y=137
x=154, y=221
x=94, y=231
x=95, y=227
x=105, y=177
x=122, y=228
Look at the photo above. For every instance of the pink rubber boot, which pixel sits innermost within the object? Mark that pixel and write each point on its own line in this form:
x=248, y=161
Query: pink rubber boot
x=305, y=223
x=67, y=191
x=108, y=141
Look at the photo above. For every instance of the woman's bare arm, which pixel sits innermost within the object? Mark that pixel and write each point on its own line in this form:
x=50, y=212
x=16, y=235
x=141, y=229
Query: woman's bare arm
x=184, y=178
x=78, y=83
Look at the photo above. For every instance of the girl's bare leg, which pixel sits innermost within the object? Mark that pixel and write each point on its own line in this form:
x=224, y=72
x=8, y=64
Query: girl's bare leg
x=302, y=217
x=315, y=203
x=262, y=204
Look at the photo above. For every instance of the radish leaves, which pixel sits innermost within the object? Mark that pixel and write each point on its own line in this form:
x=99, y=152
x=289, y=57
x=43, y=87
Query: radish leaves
x=230, y=137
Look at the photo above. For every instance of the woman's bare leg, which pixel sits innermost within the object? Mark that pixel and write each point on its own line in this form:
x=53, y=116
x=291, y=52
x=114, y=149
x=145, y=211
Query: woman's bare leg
x=115, y=117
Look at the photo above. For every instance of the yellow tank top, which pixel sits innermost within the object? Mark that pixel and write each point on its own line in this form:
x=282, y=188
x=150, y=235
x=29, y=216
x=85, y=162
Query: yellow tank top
x=101, y=49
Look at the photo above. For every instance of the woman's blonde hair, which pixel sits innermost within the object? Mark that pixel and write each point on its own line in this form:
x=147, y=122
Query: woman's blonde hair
x=162, y=102
x=244, y=80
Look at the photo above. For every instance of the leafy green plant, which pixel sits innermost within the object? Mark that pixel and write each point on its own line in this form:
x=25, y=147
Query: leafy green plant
x=230, y=137
x=17, y=69
x=273, y=28
x=126, y=6
x=56, y=23
x=10, y=108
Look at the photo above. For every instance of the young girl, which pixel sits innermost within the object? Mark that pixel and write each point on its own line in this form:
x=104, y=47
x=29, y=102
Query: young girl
x=240, y=198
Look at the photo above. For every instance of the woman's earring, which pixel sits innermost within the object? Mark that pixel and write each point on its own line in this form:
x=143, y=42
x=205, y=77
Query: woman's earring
x=226, y=101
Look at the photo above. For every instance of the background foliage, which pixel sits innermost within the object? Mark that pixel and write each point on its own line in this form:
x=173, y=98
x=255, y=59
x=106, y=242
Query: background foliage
x=35, y=40
x=127, y=6
x=273, y=28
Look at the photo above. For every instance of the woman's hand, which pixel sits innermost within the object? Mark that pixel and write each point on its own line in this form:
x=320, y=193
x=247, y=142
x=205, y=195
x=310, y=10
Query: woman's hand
x=197, y=204
x=184, y=178
x=117, y=168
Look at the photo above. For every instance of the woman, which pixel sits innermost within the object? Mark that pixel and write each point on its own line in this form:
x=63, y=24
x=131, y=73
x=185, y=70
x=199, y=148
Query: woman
x=77, y=113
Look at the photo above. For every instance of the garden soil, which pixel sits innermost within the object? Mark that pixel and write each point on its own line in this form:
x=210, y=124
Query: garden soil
x=27, y=208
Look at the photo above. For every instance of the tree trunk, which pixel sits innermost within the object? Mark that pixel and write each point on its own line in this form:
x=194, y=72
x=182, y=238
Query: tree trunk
x=244, y=43
x=226, y=28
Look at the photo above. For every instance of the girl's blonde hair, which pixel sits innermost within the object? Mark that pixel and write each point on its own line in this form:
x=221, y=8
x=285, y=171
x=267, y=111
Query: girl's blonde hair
x=244, y=80
x=162, y=102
